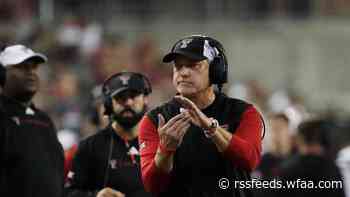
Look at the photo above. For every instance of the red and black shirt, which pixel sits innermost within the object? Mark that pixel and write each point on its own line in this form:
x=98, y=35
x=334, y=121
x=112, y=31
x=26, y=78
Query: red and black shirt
x=198, y=166
x=106, y=160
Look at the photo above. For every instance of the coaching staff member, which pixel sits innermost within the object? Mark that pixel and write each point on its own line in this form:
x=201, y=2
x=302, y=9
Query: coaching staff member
x=31, y=156
x=107, y=164
x=200, y=136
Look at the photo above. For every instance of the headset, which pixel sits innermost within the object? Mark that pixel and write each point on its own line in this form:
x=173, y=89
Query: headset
x=107, y=90
x=218, y=68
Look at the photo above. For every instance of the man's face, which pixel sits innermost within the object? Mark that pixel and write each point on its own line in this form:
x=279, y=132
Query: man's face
x=129, y=107
x=280, y=136
x=23, y=79
x=189, y=76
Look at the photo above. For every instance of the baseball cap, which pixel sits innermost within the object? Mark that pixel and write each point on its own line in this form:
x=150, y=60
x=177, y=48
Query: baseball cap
x=195, y=47
x=120, y=82
x=16, y=54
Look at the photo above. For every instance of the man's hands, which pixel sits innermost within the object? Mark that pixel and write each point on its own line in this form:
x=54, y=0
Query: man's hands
x=109, y=192
x=171, y=135
x=219, y=136
x=197, y=116
x=172, y=132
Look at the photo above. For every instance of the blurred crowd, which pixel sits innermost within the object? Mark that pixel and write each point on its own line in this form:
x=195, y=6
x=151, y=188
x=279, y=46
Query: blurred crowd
x=82, y=54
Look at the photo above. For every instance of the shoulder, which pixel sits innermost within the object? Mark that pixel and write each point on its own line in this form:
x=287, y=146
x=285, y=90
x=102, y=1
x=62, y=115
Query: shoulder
x=42, y=114
x=95, y=139
x=234, y=106
x=233, y=102
x=292, y=167
x=100, y=134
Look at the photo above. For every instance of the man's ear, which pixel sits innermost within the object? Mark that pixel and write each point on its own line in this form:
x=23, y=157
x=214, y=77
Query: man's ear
x=146, y=100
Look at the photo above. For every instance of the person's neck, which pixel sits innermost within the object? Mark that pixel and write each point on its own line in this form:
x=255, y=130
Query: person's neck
x=203, y=98
x=313, y=149
x=11, y=97
x=123, y=133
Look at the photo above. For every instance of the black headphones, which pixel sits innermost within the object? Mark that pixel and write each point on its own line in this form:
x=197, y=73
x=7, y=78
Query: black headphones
x=218, y=70
x=107, y=88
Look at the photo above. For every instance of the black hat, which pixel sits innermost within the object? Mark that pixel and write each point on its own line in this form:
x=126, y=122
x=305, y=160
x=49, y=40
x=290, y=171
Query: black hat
x=195, y=47
x=120, y=82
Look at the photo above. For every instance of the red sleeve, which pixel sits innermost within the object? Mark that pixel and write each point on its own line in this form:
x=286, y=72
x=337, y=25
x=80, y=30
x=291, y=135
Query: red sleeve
x=244, y=149
x=68, y=161
x=154, y=179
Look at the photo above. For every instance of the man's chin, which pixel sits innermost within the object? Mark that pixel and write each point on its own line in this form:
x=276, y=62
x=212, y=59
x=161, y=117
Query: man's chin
x=127, y=116
x=31, y=92
x=186, y=92
x=25, y=96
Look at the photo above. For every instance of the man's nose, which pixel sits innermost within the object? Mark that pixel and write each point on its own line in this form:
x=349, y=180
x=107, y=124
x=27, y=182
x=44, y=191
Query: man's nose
x=31, y=69
x=129, y=101
x=184, y=70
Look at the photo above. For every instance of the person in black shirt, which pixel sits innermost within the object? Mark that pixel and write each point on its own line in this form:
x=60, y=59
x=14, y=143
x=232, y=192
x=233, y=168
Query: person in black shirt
x=199, y=137
x=312, y=163
x=107, y=163
x=31, y=158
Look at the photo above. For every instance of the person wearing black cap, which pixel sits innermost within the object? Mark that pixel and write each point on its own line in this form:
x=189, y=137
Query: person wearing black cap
x=107, y=163
x=192, y=145
x=31, y=158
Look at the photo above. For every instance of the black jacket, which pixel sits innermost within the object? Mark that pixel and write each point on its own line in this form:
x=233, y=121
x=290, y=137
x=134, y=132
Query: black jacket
x=90, y=173
x=311, y=169
x=31, y=157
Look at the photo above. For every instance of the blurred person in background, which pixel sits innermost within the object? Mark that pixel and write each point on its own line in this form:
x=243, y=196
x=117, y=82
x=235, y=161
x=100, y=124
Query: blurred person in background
x=68, y=102
x=31, y=155
x=113, y=55
x=279, y=147
x=96, y=119
x=200, y=136
x=69, y=141
x=107, y=163
x=312, y=162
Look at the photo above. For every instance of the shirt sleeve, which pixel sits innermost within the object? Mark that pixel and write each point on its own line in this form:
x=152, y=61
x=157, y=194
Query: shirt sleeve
x=154, y=179
x=244, y=149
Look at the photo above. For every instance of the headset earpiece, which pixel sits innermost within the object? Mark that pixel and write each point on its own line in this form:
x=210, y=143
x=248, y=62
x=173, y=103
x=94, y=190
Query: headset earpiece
x=108, y=105
x=218, y=69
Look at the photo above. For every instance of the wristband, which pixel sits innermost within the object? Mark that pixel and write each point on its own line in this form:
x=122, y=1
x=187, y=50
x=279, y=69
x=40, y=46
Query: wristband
x=214, y=124
x=209, y=133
